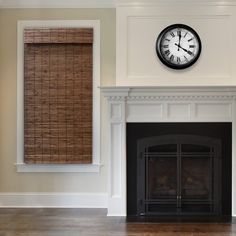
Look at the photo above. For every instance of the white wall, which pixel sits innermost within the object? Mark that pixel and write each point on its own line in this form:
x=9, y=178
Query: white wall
x=137, y=31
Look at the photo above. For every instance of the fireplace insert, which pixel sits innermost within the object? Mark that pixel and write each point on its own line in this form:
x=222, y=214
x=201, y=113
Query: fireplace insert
x=178, y=174
x=179, y=170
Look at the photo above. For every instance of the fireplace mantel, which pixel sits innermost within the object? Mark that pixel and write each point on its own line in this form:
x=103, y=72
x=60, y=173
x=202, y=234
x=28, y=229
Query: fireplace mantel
x=160, y=104
x=155, y=93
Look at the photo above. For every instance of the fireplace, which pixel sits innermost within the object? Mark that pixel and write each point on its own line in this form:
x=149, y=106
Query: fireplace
x=208, y=112
x=179, y=170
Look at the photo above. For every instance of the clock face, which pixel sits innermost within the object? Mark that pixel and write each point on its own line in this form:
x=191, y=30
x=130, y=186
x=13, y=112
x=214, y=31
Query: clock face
x=178, y=46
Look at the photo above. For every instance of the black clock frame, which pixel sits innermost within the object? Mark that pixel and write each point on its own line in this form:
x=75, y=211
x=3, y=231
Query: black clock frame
x=158, y=46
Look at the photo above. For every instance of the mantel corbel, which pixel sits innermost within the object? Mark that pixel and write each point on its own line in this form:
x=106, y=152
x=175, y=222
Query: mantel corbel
x=115, y=93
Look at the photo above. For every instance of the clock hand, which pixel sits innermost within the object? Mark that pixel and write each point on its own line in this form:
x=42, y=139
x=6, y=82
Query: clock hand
x=189, y=52
x=179, y=39
x=178, y=45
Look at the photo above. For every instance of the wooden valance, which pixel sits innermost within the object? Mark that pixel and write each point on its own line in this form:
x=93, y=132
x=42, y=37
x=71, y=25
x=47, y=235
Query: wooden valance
x=58, y=96
x=58, y=35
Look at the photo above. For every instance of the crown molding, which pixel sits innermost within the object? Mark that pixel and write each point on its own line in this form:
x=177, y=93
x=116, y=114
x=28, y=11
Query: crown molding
x=57, y=4
x=138, y=3
x=107, y=3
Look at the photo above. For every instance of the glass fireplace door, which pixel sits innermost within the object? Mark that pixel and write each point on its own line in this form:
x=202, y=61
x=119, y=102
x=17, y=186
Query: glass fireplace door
x=197, y=178
x=178, y=178
x=161, y=183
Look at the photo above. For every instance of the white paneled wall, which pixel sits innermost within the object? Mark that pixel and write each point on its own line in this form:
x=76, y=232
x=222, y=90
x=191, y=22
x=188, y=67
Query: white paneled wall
x=138, y=27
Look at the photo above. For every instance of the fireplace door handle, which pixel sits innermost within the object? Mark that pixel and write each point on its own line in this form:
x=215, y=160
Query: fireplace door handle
x=179, y=201
x=180, y=197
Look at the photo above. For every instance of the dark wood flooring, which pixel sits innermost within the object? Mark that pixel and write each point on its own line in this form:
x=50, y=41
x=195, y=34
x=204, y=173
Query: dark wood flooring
x=91, y=222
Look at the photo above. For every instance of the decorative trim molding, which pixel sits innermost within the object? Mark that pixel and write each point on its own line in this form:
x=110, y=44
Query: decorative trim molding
x=179, y=97
x=94, y=167
x=57, y=4
x=168, y=93
x=51, y=200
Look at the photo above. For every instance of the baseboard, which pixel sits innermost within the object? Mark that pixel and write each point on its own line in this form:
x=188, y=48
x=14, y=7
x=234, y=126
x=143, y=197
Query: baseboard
x=53, y=200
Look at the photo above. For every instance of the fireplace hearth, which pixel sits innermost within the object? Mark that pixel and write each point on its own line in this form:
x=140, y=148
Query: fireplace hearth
x=179, y=170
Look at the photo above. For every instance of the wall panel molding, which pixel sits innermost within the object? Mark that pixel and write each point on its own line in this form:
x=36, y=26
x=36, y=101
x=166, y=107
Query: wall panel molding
x=138, y=28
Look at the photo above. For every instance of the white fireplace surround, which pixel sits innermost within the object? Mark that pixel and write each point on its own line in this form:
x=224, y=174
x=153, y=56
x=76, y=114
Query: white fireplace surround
x=161, y=104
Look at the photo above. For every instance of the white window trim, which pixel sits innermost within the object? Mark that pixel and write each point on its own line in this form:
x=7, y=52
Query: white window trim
x=95, y=166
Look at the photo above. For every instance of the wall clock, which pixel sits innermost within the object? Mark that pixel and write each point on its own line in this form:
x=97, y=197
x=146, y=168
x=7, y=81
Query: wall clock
x=178, y=46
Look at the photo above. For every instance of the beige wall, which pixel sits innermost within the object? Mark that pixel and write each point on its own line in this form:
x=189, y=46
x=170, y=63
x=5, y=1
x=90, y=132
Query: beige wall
x=10, y=180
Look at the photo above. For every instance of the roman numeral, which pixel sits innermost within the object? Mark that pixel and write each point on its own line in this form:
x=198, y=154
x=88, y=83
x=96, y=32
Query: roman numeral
x=190, y=39
x=172, y=58
x=172, y=34
x=178, y=60
x=185, y=34
x=179, y=32
x=186, y=59
x=190, y=53
x=192, y=46
x=167, y=52
x=167, y=40
x=165, y=46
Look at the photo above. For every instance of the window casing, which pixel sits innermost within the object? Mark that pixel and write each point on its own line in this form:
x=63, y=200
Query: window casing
x=58, y=59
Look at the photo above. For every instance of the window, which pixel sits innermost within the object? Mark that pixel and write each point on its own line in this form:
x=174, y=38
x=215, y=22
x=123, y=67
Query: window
x=59, y=90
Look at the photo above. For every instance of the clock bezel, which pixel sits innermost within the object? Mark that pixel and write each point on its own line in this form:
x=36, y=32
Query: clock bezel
x=159, y=52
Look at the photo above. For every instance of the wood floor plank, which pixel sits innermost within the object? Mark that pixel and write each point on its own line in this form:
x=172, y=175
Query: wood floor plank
x=94, y=222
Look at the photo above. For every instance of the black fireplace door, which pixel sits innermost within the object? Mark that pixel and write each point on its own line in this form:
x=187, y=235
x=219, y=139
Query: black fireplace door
x=178, y=174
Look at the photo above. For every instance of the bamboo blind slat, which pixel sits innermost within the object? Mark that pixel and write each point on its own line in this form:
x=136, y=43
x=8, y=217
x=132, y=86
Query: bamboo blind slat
x=58, y=35
x=58, y=103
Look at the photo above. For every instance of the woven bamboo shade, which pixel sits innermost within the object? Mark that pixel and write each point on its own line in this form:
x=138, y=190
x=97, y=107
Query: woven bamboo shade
x=58, y=95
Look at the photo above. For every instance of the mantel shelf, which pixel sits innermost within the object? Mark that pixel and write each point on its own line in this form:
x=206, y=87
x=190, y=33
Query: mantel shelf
x=169, y=93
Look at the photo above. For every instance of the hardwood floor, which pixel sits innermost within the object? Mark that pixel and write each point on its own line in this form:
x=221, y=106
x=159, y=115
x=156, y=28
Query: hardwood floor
x=91, y=222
